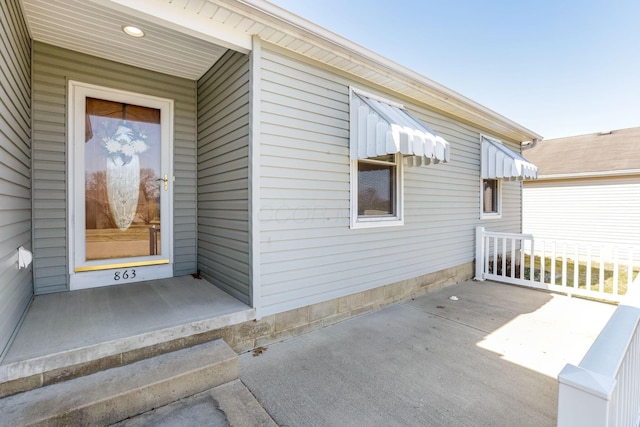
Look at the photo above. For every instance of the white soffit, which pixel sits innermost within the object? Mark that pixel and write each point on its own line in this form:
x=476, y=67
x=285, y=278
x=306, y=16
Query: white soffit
x=499, y=162
x=380, y=128
x=199, y=18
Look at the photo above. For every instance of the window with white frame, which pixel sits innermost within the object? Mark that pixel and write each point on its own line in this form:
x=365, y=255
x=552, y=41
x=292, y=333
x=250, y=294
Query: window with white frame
x=377, y=183
x=497, y=164
x=384, y=138
x=490, y=198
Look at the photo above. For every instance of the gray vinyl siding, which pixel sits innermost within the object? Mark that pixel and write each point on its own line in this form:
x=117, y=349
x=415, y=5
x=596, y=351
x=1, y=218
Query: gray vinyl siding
x=308, y=252
x=599, y=210
x=223, y=183
x=16, y=286
x=52, y=67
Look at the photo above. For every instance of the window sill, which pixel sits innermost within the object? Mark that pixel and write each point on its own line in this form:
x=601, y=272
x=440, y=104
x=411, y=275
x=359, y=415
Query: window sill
x=376, y=222
x=490, y=216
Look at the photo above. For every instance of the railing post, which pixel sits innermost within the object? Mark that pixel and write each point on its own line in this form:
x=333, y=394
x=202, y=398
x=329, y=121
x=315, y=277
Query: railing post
x=532, y=262
x=480, y=255
x=604, y=389
x=583, y=398
x=153, y=240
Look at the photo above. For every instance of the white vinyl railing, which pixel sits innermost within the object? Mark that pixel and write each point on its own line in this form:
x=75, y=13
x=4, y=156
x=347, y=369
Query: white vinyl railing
x=604, y=389
x=575, y=268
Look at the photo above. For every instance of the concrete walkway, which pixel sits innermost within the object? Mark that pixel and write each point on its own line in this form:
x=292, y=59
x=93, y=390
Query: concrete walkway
x=488, y=359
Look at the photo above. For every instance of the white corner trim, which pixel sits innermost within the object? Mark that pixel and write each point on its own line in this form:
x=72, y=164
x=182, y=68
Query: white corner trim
x=255, y=94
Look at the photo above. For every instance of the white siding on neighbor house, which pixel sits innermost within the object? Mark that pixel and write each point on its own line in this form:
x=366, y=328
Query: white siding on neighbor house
x=602, y=210
x=223, y=180
x=16, y=286
x=308, y=252
x=52, y=67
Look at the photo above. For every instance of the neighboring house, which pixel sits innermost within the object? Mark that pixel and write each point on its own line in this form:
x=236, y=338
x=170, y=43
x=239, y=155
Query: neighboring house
x=292, y=166
x=588, y=189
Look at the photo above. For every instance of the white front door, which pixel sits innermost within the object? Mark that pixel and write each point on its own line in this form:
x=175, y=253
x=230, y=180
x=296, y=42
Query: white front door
x=120, y=186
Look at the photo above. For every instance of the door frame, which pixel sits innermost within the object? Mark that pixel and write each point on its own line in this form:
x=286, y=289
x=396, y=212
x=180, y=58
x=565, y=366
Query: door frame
x=89, y=274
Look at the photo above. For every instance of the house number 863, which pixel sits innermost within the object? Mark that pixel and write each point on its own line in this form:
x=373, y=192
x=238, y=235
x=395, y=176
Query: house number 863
x=124, y=275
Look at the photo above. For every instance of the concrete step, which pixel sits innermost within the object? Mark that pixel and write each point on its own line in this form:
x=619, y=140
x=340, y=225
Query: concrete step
x=230, y=404
x=27, y=371
x=106, y=397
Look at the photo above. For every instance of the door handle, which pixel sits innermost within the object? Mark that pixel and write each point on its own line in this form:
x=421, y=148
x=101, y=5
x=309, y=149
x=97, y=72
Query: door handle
x=165, y=180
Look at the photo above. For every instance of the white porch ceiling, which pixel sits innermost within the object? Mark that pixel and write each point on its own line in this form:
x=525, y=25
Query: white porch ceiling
x=96, y=30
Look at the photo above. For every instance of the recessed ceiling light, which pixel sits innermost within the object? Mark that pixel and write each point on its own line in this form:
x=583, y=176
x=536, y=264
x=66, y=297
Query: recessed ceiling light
x=133, y=31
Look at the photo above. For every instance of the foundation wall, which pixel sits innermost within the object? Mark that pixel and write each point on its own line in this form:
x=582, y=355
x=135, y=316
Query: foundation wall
x=278, y=327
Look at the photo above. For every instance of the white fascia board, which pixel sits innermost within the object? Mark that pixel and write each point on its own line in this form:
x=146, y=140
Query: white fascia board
x=305, y=30
x=163, y=13
x=601, y=174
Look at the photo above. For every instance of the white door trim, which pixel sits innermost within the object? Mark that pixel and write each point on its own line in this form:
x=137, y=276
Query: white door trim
x=86, y=274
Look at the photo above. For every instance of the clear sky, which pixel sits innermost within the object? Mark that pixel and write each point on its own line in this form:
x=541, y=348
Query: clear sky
x=557, y=67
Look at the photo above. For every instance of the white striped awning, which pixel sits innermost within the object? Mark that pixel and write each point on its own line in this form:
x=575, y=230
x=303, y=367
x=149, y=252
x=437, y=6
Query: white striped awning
x=379, y=128
x=501, y=163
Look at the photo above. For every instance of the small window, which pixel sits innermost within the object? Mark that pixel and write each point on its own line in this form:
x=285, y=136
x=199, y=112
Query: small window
x=377, y=184
x=490, y=198
x=376, y=187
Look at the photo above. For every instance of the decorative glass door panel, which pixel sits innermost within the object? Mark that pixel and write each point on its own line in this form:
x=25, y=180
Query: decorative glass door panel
x=121, y=187
x=122, y=180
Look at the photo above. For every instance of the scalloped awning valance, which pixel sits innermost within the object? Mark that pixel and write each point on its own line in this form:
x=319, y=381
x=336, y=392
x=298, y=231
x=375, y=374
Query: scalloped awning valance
x=499, y=162
x=379, y=128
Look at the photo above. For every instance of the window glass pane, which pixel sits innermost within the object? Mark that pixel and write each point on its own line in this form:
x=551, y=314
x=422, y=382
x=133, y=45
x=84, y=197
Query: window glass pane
x=376, y=189
x=490, y=196
x=122, y=188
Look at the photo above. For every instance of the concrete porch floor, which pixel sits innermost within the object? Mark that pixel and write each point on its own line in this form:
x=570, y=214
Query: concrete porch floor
x=77, y=327
x=489, y=358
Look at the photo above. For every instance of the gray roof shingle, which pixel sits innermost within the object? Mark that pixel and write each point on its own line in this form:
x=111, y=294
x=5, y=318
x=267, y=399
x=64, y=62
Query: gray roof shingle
x=596, y=152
